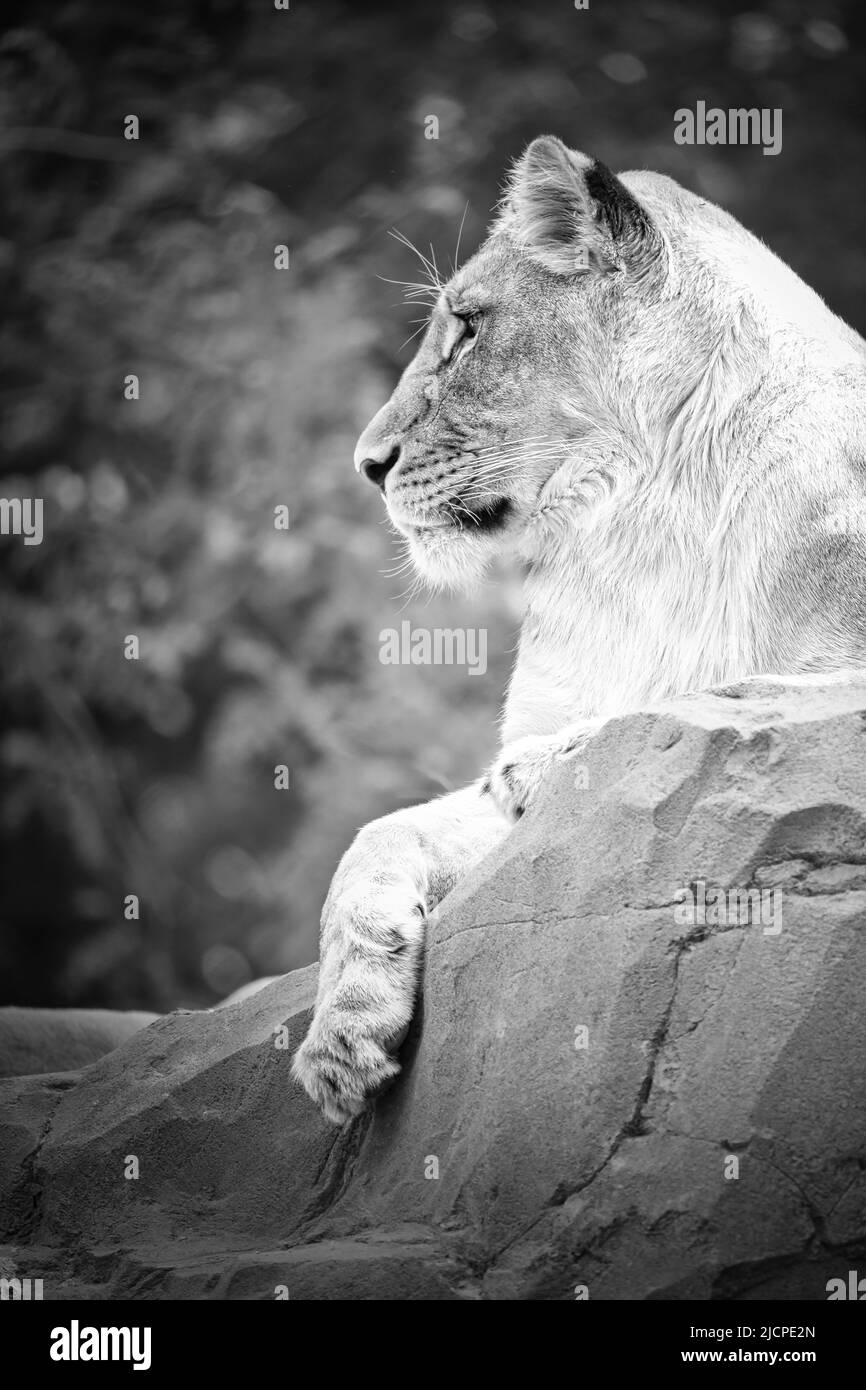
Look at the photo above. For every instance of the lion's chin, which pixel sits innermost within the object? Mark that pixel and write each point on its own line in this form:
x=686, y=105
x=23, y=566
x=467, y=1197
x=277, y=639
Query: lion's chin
x=448, y=557
x=454, y=550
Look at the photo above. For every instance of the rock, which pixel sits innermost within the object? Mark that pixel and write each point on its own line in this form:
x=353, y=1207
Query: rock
x=76, y=1037
x=600, y=1090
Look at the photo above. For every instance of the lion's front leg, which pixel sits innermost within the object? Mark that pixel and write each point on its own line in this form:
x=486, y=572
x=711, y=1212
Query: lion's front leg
x=372, y=938
x=515, y=778
x=373, y=927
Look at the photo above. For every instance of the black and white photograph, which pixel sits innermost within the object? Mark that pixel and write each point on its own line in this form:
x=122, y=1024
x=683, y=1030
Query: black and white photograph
x=433, y=682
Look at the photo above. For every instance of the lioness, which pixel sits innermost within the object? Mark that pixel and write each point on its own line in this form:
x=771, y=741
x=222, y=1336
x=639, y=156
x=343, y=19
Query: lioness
x=667, y=424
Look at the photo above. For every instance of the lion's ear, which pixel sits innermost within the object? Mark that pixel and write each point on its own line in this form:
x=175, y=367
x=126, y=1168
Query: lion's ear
x=570, y=213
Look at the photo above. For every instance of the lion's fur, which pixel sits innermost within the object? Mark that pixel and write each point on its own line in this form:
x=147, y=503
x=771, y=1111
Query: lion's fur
x=676, y=423
x=701, y=429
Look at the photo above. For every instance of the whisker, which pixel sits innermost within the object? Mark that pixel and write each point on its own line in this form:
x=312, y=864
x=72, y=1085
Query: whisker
x=508, y=451
x=456, y=259
x=482, y=466
x=494, y=468
x=415, y=590
x=525, y=439
x=414, y=293
x=404, y=564
x=406, y=284
x=429, y=266
x=419, y=329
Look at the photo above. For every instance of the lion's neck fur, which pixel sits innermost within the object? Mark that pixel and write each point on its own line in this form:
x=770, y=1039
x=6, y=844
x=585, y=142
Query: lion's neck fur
x=668, y=555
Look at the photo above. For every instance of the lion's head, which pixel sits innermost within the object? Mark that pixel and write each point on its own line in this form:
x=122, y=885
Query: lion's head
x=585, y=319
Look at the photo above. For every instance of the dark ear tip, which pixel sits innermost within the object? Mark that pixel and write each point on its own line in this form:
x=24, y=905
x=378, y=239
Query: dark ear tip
x=622, y=210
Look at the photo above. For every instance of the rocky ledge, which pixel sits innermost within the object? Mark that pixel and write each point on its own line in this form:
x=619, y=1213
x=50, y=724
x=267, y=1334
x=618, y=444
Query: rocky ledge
x=636, y=1071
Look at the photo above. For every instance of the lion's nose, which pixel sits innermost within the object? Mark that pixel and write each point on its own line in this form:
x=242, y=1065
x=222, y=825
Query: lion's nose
x=375, y=461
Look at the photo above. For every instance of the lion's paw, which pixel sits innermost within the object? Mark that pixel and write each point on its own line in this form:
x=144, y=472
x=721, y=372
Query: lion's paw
x=517, y=775
x=343, y=1070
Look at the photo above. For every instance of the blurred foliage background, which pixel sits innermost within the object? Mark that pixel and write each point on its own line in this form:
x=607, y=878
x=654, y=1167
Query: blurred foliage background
x=259, y=647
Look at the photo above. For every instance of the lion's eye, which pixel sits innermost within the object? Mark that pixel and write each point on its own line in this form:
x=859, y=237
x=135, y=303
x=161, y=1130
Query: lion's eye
x=465, y=335
x=460, y=335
